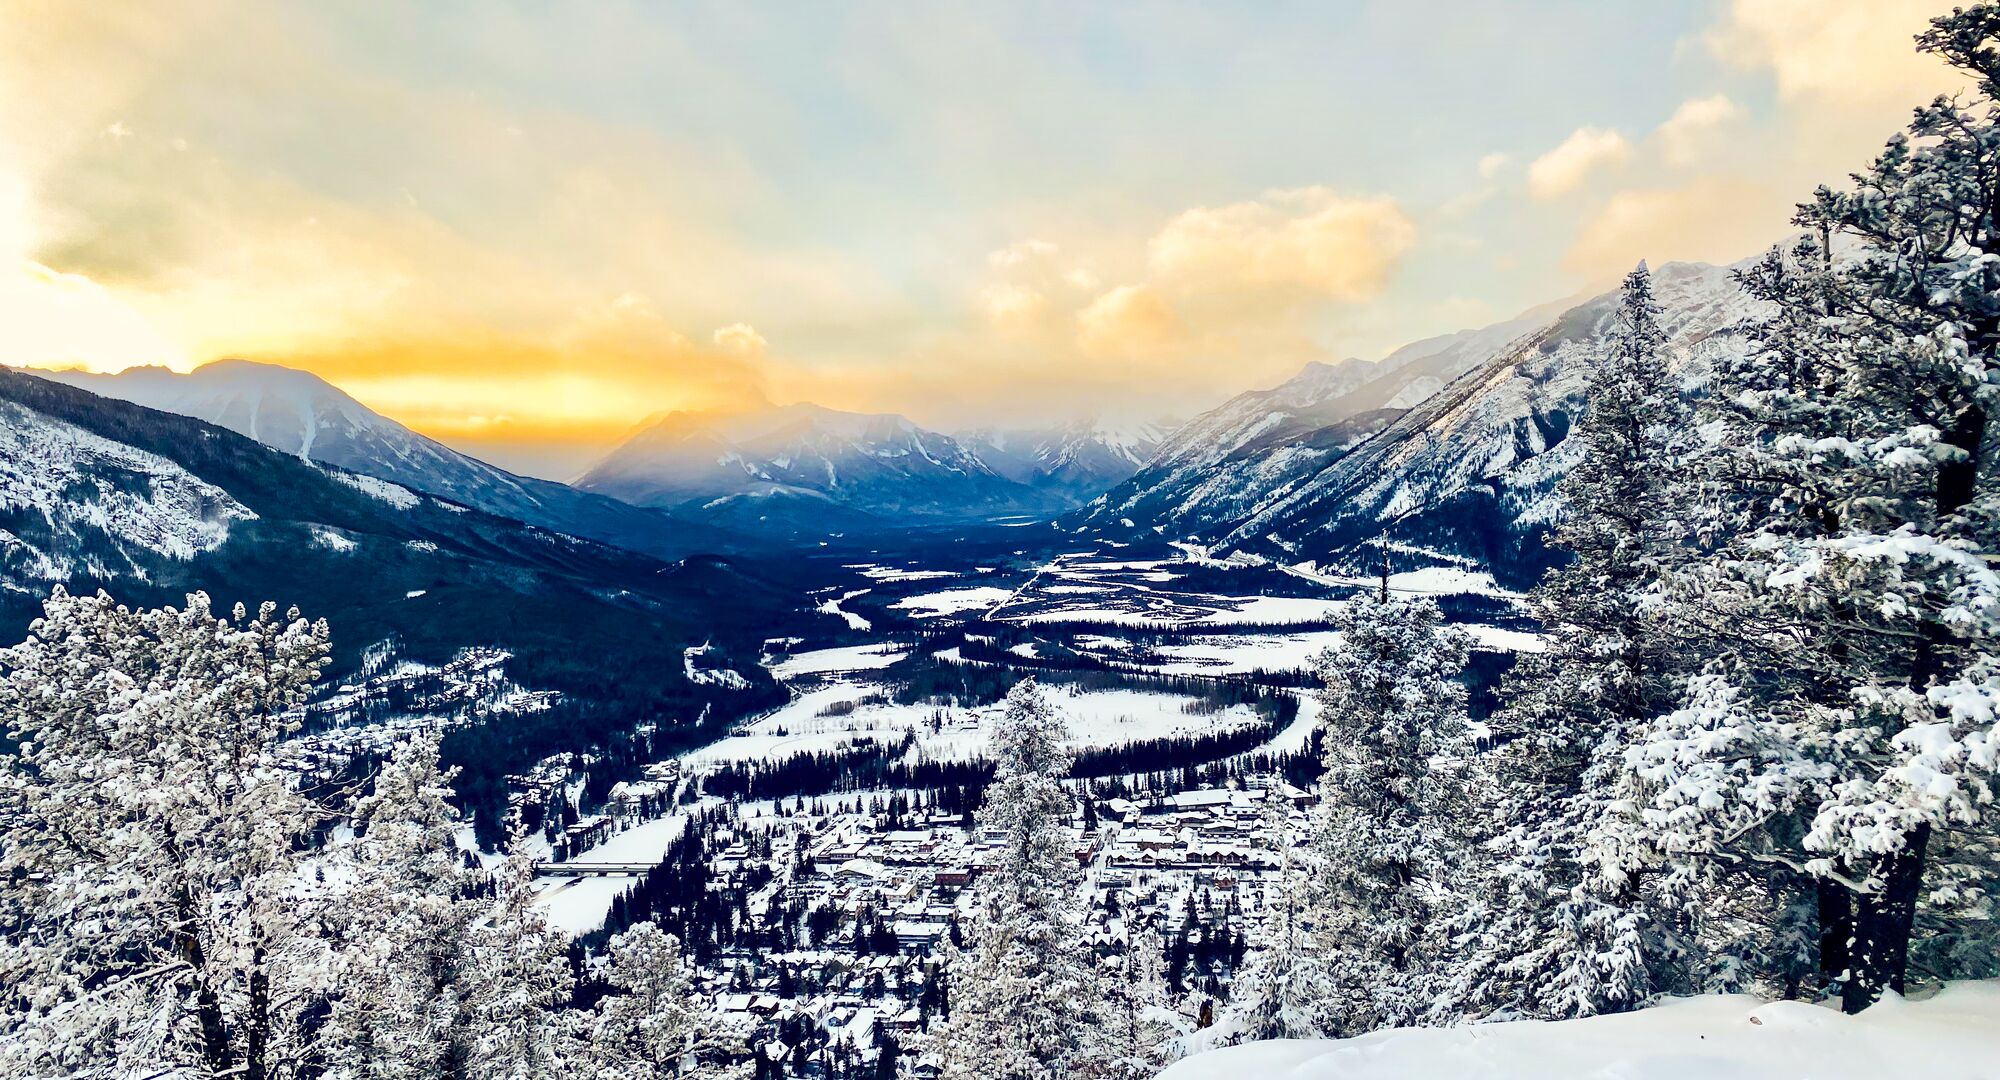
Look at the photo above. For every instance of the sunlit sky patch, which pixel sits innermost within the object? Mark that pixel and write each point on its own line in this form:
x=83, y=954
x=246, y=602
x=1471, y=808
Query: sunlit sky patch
x=525, y=227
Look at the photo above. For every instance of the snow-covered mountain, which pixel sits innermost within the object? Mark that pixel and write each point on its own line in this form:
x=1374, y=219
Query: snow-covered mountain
x=1463, y=470
x=101, y=493
x=1076, y=460
x=1217, y=467
x=303, y=415
x=804, y=467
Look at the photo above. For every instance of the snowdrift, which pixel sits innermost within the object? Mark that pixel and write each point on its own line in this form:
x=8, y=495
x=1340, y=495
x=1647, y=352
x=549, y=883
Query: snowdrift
x=1953, y=1034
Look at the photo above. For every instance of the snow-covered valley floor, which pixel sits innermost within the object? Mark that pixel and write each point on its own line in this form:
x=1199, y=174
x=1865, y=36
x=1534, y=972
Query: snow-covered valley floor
x=1955, y=1034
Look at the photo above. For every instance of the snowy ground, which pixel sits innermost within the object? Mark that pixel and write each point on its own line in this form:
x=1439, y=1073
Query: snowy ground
x=845, y=658
x=1955, y=1034
x=953, y=601
x=1096, y=719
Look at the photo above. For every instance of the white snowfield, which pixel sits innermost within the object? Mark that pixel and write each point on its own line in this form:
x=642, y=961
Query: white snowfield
x=1955, y=1034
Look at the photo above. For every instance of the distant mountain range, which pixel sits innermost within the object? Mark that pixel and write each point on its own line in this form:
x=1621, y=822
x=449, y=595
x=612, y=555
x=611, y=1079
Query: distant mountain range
x=1446, y=442
x=688, y=482
x=805, y=468
x=306, y=417
x=1452, y=445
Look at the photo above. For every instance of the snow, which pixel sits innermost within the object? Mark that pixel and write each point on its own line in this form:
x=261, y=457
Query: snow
x=845, y=658
x=58, y=472
x=332, y=539
x=890, y=573
x=1726, y=1037
x=1095, y=718
x=832, y=607
x=642, y=843
x=952, y=601
x=395, y=495
x=578, y=905
x=1249, y=652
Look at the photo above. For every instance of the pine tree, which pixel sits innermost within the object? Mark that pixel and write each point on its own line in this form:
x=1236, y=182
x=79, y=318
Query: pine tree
x=1022, y=994
x=1282, y=983
x=1136, y=1028
x=1845, y=735
x=1563, y=931
x=520, y=984
x=1385, y=830
x=406, y=920
x=157, y=907
x=652, y=1025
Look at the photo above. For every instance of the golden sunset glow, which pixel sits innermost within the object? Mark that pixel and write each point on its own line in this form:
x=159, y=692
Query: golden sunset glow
x=518, y=226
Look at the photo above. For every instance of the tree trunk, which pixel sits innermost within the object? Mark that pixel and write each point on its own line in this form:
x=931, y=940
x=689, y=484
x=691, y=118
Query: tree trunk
x=257, y=1029
x=1883, y=921
x=1836, y=928
x=207, y=1005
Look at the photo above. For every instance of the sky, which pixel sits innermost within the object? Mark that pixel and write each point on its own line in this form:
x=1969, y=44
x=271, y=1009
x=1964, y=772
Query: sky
x=525, y=227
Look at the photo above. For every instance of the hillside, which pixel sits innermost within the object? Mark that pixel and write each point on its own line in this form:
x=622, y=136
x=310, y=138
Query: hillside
x=97, y=493
x=1464, y=471
x=304, y=416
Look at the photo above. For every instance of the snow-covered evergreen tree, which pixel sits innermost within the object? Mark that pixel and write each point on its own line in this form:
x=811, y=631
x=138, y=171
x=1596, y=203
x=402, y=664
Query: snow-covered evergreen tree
x=1846, y=735
x=520, y=984
x=1386, y=832
x=1560, y=931
x=405, y=920
x=652, y=1025
x=157, y=915
x=1278, y=991
x=1023, y=999
x=1136, y=1026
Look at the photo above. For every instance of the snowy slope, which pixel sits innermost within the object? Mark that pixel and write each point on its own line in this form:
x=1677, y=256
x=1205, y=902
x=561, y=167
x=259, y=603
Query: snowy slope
x=1219, y=466
x=1472, y=468
x=99, y=493
x=73, y=502
x=1077, y=460
x=1464, y=468
x=301, y=414
x=1955, y=1034
x=805, y=465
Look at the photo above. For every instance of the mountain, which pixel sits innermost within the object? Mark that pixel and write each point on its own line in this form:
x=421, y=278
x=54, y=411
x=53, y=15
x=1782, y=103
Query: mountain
x=807, y=469
x=1074, y=461
x=1465, y=472
x=303, y=415
x=100, y=493
x=1217, y=467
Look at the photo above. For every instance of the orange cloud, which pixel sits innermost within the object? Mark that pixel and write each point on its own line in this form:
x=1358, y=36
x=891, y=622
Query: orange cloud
x=1130, y=320
x=1565, y=168
x=1313, y=239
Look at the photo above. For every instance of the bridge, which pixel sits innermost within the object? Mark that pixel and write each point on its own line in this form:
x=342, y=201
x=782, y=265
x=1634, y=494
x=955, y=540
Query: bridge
x=593, y=869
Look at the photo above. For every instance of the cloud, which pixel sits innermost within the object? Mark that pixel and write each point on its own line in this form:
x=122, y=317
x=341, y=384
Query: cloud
x=1491, y=164
x=1022, y=251
x=1009, y=304
x=1694, y=128
x=1564, y=169
x=54, y=319
x=1128, y=321
x=1842, y=51
x=740, y=339
x=1312, y=239
x=1710, y=219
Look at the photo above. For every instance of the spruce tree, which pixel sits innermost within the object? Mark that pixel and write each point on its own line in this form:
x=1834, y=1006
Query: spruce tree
x=1023, y=999
x=1844, y=737
x=1387, y=830
x=1563, y=931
